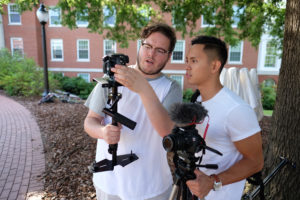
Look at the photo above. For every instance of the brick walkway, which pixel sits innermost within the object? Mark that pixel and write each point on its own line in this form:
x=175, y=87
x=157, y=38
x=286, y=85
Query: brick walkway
x=21, y=153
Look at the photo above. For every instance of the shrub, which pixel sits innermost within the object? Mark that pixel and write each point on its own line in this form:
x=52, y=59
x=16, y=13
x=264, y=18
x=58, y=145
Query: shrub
x=268, y=97
x=187, y=95
x=21, y=76
x=75, y=85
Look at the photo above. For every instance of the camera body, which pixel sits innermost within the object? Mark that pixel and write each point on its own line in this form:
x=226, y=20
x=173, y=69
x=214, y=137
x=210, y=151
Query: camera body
x=109, y=62
x=184, y=139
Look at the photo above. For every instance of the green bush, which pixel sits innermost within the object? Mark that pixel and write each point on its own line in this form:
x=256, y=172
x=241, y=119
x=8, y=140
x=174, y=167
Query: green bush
x=21, y=76
x=187, y=95
x=75, y=85
x=268, y=97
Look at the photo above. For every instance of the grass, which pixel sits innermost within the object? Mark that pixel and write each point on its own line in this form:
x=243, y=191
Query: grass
x=268, y=112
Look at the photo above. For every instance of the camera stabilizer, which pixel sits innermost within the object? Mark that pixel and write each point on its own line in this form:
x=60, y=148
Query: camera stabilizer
x=113, y=98
x=185, y=141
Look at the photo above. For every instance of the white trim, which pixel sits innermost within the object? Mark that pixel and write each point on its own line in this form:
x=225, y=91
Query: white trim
x=241, y=55
x=11, y=44
x=62, y=69
x=62, y=48
x=50, y=21
x=183, y=53
x=262, y=51
x=88, y=78
x=77, y=50
x=8, y=12
x=114, y=46
x=182, y=72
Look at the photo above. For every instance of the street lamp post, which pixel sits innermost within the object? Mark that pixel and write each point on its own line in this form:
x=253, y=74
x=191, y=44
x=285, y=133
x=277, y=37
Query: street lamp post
x=42, y=15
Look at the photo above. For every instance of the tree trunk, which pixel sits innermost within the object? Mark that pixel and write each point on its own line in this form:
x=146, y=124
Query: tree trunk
x=285, y=135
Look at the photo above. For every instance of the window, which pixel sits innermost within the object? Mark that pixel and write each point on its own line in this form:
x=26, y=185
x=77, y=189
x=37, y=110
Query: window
x=175, y=20
x=207, y=21
x=144, y=17
x=82, y=19
x=54, y=17
x=178, y=53
x=14, y=16
x=178, y=79
x=236, y=12
x=85, y=76
x=139, y=43
x=270, y=58
x=109, y=16
x=235, y=54
x=83, y=50
x=17, y=46
x=57, y=50
x=109, y=47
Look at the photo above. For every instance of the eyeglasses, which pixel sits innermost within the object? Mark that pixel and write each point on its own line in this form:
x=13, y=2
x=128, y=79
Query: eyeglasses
x=158, y=51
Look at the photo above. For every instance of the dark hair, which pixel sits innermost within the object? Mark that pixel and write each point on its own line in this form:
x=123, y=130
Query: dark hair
x=162, y=28
x=214, y=44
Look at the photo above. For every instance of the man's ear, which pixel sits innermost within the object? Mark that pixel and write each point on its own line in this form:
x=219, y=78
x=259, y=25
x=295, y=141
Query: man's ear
x=216, y=65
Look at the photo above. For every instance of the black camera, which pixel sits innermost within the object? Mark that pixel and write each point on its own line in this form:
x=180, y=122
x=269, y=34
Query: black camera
x=183, y=139
x=110, y=61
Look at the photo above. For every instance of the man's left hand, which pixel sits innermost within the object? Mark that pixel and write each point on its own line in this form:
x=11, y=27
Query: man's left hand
x=201, y=185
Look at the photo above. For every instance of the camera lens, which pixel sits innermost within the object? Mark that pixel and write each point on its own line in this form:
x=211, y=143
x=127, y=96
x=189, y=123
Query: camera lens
x=168, y=143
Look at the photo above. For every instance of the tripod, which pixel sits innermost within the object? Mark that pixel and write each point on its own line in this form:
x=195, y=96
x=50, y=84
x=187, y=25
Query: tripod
x=123, y=160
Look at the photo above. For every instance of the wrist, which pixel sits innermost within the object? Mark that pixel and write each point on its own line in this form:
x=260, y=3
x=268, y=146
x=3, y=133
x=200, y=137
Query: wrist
x=217, y=184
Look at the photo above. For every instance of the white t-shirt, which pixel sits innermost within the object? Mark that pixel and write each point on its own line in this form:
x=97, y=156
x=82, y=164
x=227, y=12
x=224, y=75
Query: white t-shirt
x=230, y=120
x=150, y=175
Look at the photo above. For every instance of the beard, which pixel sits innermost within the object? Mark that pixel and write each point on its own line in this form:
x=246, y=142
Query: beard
x=150, y=73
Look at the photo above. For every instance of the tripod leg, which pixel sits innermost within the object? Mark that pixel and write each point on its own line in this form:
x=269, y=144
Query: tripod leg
x=174, y=192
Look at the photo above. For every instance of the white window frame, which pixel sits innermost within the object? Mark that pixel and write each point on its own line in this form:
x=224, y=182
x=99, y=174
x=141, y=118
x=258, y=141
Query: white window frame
x=206, y=25
x=180, y=82
x=262, y=52
x=84, y=74
x=88, y=49
x=52, y=41
x=82, y=22
x=12, y=39
x=183, y=53
x=235, y=12
x=106, y=13
x=51, y=13
x=114, y=47
x=9, y=13
x=138, y=45
x=241, y=54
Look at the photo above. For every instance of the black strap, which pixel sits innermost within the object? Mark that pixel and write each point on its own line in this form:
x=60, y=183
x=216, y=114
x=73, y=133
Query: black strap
x=256, y=179
x=195, y=96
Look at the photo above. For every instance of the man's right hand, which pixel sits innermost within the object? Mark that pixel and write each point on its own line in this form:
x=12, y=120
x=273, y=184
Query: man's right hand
x=111, y=133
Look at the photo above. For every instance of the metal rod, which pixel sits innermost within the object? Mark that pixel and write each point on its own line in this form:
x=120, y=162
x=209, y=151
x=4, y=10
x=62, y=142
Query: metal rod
x=46, y=83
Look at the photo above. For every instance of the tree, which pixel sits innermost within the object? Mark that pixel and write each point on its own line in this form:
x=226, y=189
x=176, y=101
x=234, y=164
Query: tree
x=255, y=17
x=285, y=138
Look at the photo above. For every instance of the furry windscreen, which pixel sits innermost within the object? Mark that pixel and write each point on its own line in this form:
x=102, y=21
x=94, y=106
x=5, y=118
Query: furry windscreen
x=185, y=113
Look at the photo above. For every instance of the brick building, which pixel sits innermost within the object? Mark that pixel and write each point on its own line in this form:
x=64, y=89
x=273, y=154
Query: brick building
x=79, y=53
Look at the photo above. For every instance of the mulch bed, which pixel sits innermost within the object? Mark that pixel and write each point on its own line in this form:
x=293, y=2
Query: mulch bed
x=69, y=150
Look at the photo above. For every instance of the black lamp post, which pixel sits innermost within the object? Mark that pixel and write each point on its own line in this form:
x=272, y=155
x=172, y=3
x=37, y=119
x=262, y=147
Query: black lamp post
x=42, y=15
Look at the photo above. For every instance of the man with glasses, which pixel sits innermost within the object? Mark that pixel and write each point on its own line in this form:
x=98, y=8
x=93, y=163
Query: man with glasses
x=146, y=97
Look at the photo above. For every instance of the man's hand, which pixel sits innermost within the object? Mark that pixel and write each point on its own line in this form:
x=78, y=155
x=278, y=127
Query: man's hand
x=111, y=133
x=130, y=78
x=201, y=185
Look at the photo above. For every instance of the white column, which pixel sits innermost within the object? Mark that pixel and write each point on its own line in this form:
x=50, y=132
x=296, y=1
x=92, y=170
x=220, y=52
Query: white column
x=2, y=42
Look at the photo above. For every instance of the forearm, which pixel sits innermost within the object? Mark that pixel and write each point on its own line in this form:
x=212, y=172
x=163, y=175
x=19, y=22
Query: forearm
x=157, y=114
x=93, y=127
x=241, y=170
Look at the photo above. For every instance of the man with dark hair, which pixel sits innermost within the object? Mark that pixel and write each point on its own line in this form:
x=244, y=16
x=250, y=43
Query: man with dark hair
x=232, y=125
x=146, y=96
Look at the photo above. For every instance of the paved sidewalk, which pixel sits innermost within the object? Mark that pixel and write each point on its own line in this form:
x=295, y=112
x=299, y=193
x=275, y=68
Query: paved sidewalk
x=22, y=159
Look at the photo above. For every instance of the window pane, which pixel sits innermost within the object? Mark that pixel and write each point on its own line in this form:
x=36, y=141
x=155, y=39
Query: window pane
x=54, y=14
x=17, y=46
x=85, y=76
x=81, y=19
x=14, y=15
x=235, y=53
x=57, y=49
x=270, y=59
x=109, y=47
x=83, y=49
x=178, y=51
x=109, y=16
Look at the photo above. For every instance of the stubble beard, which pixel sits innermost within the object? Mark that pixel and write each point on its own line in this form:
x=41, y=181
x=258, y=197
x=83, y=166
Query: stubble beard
x=150, y=73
